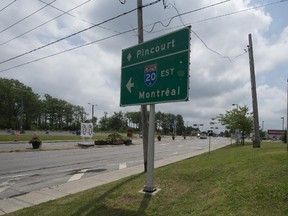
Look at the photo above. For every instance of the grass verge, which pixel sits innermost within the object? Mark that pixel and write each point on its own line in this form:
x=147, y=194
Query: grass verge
x=236, y=180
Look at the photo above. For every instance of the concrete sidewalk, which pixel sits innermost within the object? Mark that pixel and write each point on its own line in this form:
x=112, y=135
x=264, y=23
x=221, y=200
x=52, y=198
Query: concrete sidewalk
x=55, y=192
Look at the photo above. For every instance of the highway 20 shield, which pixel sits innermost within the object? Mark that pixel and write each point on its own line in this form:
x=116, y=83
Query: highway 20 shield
x=150, y=75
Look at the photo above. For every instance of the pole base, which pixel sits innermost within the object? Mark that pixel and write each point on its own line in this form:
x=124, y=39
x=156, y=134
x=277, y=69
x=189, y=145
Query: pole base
x=149, y=189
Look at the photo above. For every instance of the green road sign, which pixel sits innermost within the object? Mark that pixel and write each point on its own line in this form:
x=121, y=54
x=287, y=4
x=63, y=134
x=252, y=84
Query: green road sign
x=156, y=71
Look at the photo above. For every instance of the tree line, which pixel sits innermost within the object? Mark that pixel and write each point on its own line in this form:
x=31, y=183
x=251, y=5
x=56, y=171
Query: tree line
x=22, y=109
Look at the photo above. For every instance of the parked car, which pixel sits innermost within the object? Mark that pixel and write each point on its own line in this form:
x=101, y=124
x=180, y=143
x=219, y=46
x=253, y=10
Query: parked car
x=203, y=136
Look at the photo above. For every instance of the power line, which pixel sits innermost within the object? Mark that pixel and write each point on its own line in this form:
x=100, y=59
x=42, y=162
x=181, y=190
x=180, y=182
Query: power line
x=179, y=15
x=121, y=33
x=76, y=33
x=65, y=12
x=215, y=17
x=122, y=2
x=7, y=6
x=26, y=17
x=212, y=18
x=69, y=14
x=67, y=50
x=240, y=11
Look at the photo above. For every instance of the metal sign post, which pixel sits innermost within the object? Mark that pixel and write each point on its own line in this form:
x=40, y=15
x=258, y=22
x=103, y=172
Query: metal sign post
x=149, y=187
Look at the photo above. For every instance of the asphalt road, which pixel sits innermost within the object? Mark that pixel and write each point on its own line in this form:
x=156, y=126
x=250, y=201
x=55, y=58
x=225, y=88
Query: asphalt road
x=23, y=172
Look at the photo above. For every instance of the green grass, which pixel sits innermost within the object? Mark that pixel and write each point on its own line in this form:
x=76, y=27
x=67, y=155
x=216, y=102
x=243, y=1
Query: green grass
x=47, y=137
x=236, y=180
x=43, y=137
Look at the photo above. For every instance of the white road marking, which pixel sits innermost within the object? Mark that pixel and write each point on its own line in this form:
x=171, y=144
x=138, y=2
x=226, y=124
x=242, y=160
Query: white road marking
x=180, y=145
x=175, y=153
x=7, y=184
x=14, y=176
x=78, y=175
x=197, y=148
x=122, y=166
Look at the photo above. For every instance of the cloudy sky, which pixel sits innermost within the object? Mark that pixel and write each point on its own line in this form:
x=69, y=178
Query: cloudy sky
x=219, y=70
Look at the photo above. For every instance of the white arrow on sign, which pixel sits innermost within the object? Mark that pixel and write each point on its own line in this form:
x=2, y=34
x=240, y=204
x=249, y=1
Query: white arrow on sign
x=129, y=57
x=129, y=84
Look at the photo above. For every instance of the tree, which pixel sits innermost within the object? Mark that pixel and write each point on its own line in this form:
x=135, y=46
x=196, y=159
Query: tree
x=103, y=123
x=180, y=128
x=117, y=122
x=239, y=118
x=133, y=119
x=18, y=105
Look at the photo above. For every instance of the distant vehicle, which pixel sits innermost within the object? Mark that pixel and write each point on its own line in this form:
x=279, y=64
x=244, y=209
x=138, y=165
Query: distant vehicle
x=203, y=136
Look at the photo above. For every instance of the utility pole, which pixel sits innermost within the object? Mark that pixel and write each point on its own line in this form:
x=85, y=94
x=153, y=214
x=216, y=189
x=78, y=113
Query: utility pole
x=256, y=141
x=22, y=111
x=144, y=113
x=287, y=118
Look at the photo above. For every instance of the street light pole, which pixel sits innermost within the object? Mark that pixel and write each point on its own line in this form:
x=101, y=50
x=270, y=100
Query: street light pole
x=93, y=105
x=22, y=111
x=282, y=123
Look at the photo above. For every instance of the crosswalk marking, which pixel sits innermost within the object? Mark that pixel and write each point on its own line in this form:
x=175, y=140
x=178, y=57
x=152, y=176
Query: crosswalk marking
x=78, y=175
x=5, y=185
x=9, y=183
x=122, y=166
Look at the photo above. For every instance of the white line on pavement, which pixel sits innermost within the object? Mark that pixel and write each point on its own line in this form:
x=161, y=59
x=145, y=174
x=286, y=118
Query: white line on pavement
x=7, y=184
x=122, y=166
x=78, y=175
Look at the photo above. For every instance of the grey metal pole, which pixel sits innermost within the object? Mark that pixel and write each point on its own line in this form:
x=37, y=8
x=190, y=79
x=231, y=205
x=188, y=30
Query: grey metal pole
x=256, y=141
x=92, y=111
x=149, y=187
x=22, y=111
x=209, y=143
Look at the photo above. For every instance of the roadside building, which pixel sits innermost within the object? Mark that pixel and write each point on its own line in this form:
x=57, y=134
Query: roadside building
x=274, y=134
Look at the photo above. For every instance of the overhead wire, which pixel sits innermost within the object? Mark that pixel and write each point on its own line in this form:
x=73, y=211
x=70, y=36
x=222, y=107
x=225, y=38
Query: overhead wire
x=195, y=10
x=178, y=15
x=121, y=33
x=26, y=32
x=240, y=11
x=67, y=50
x=212, y=18
x=7, y=5
x=69, y=14
x=76, y=33
x=124, y=2
x=25, y=17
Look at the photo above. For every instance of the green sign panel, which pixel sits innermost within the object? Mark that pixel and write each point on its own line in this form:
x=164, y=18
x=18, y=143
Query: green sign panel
x=156, y=71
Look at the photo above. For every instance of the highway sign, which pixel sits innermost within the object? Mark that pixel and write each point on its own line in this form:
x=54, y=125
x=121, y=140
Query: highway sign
x=156, y=71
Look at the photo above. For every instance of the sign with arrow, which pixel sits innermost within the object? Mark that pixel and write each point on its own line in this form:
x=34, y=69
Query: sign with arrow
x=156, y=71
